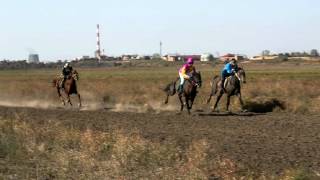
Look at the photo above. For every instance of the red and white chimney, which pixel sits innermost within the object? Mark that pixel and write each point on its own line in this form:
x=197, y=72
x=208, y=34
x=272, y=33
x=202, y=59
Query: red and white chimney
x=98, y=52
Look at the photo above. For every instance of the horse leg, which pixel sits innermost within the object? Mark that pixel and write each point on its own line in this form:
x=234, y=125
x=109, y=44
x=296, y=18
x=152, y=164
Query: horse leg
x=60, y=96
x=217, y=102
x=181, y=102
x=79, y=100
x=209, y=99
x=191, y=101
x=241, y=103
x=167, y=100
x=69, y=100
x=228, y=103
x=188, y=105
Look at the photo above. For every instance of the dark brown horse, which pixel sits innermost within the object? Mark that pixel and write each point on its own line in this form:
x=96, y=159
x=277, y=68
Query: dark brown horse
x=189, y=91
x=70, y=87
x=232, y=87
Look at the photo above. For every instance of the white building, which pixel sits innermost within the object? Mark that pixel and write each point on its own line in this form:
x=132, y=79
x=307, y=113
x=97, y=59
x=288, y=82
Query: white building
x=207, y=57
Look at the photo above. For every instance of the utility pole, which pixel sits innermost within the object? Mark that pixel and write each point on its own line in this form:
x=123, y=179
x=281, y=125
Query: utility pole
x=160, y=49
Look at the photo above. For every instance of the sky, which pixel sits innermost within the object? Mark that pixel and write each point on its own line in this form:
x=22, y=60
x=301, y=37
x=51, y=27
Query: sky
x=65, y=29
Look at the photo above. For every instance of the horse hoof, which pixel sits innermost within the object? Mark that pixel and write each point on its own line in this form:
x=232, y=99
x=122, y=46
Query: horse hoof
x=244, y=110
x=215, y=111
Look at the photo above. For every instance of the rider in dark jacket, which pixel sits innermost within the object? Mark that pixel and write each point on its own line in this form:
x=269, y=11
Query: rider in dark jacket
x=66, y=71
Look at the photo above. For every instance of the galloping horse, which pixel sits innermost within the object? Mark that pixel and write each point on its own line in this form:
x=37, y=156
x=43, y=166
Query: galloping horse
x=189, y=91
x=70, y=87
x=232, y=87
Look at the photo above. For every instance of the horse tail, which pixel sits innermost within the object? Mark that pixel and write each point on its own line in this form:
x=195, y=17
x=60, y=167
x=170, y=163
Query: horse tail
x=214, y=84
x=170, y=89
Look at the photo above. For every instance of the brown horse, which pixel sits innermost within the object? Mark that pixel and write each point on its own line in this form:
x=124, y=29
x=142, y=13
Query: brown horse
x=232, y=87
x=70, y=87
x=189, y=91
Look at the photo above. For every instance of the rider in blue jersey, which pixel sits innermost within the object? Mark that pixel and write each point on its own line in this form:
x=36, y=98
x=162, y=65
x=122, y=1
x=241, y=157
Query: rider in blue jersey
x=227, y=71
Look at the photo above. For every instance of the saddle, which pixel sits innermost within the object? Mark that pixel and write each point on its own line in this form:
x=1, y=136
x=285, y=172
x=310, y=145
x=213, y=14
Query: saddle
x=190, y=80
x=227, y=81
x=60, y=79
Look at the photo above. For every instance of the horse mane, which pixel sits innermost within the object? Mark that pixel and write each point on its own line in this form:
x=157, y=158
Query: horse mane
x=74, y=74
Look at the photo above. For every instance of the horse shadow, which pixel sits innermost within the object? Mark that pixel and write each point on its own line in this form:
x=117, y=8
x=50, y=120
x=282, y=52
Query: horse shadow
x=265, y=106
x=253, y=108
x=223, y=114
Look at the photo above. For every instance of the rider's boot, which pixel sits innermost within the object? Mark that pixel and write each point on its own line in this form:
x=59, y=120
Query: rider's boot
x=222, y=85
x=180, y=89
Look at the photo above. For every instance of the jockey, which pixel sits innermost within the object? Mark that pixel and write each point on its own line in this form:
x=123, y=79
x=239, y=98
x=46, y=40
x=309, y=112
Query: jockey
x=66, y=71
x=185, y=73
x=230, y=68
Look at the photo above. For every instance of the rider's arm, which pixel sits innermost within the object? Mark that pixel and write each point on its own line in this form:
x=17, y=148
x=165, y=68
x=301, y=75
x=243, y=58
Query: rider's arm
x=194, y=69
x=64, y=71
x=184, y=72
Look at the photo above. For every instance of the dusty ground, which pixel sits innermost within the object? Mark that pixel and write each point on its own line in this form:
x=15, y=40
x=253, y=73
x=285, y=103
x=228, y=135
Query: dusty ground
x=261, y=143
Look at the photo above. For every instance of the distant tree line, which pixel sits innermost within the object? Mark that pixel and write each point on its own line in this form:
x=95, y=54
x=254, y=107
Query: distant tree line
x=85, y=63
x=312, y=53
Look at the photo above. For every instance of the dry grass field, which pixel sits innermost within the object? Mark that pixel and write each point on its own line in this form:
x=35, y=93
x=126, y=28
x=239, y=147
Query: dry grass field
x=294, y=87
x=124, y=131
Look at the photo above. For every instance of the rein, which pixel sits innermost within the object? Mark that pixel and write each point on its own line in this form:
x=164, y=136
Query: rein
x=236, y=74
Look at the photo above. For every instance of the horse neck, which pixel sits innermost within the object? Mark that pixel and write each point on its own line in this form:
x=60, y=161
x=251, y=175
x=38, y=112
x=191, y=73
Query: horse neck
x=241, y=74
x=189, y=84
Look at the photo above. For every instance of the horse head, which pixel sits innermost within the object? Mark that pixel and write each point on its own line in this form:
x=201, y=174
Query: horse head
x=241, y=75
x=75, y=75
x=196, y=78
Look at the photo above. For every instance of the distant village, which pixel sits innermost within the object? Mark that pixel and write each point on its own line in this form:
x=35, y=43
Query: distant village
x=34, y=61
x=101, y=59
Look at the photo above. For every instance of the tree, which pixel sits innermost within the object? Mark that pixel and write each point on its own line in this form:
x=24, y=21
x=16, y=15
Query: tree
x=156, y=56
x=265, y=53
x=287, y=54
x=314, y=53
x=283, y=57
x=305, y=54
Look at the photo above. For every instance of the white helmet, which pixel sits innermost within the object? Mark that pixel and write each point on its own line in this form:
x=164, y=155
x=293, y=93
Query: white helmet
x=66, y=65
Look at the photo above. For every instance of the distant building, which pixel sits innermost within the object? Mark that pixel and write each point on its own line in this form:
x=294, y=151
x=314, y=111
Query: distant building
x=177, y=57
x=33, y=58
x=172, y=57
x=269, y=57
x=229, y=57
x=194, y=57
x=207, y=57
x=140, y=57
x=128, y=57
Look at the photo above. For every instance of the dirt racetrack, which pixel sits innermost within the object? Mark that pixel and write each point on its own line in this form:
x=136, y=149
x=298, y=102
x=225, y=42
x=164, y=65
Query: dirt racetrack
x=261, y=143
